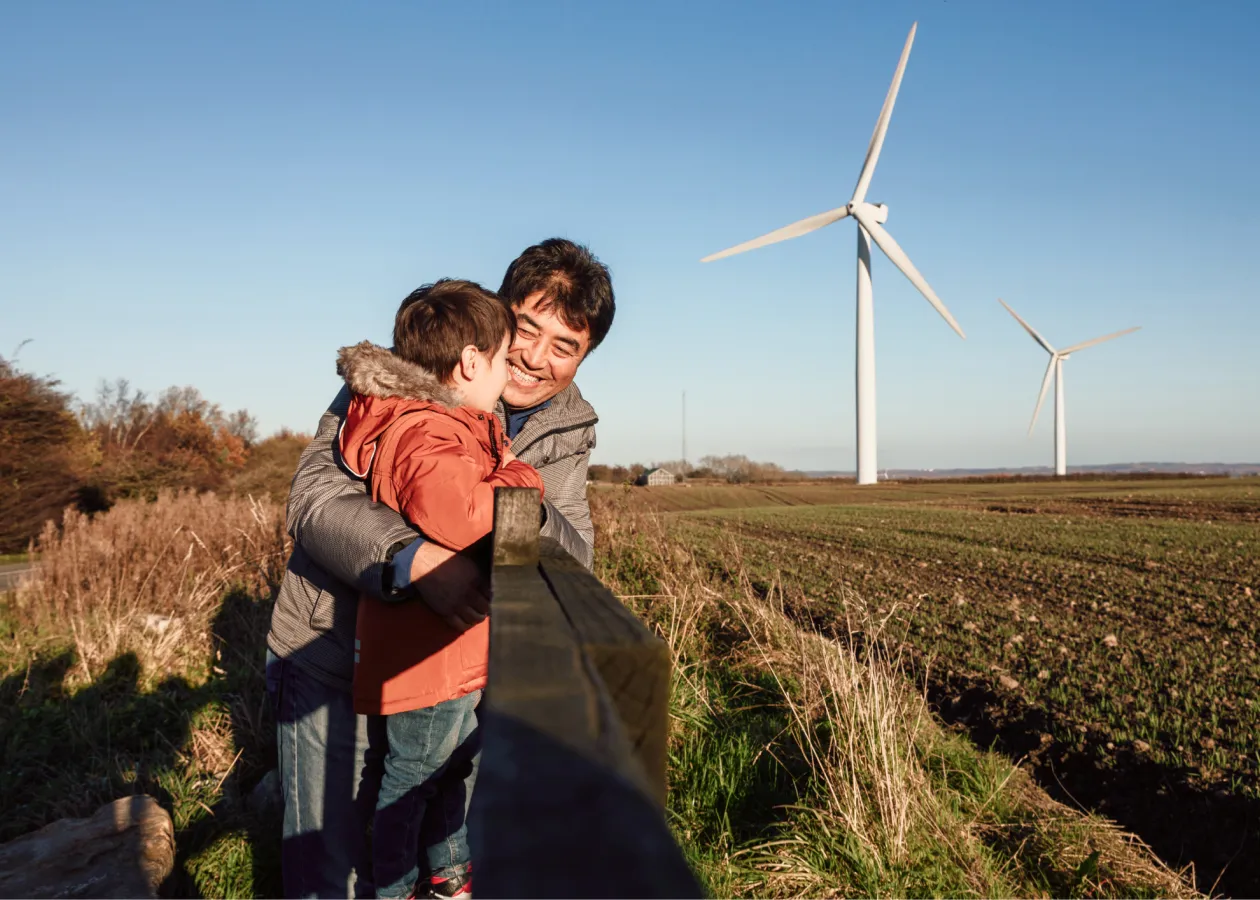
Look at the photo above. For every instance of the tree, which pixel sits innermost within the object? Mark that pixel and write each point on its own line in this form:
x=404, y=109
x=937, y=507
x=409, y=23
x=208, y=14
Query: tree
x=43, y=453
x=269, y=469
x=180, y=441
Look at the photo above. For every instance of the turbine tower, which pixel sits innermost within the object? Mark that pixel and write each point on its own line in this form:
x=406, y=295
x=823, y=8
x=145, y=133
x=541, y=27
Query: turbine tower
x=870, y=218
x=1055, y=369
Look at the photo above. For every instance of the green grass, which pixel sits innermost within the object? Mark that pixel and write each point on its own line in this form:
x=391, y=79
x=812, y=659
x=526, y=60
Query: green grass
x=9, y=559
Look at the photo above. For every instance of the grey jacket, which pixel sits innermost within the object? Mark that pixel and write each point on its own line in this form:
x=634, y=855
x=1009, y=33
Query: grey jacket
x=343, y=542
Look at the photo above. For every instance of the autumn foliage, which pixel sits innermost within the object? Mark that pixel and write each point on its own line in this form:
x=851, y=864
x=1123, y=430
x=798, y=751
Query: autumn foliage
x=56, y=452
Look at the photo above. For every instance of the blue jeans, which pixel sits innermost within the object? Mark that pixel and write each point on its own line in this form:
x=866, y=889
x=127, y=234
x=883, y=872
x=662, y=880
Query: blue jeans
x=330, y=767
x=429, y=773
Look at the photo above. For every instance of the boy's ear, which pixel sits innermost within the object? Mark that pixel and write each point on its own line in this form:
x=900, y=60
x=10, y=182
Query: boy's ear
x=469, y=360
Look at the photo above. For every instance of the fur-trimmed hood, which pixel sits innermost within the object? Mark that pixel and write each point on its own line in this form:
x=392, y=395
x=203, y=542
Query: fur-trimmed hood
x=375, y=371
x=386, y=388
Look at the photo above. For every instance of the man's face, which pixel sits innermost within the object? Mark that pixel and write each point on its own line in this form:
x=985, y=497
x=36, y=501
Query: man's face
x=545, y=355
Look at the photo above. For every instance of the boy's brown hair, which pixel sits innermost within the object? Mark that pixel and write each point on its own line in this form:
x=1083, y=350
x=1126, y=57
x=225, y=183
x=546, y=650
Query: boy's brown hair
x=437, y=321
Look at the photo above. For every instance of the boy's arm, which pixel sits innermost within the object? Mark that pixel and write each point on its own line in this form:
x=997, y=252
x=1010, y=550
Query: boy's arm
x=331, y=516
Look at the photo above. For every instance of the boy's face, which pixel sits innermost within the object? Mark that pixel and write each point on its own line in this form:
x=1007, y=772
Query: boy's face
x=484, y=390
x=545, y=356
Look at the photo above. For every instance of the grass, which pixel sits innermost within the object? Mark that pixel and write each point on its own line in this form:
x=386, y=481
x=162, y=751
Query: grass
x=9, y=559
x=807, y=766
x=803, y=761
x=136, y=666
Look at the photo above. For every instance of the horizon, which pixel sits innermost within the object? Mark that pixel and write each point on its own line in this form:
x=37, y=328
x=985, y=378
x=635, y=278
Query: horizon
x=222, y=198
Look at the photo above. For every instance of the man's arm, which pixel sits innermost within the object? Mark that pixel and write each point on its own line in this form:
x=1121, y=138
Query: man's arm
x=331, y=516
x=567, y=510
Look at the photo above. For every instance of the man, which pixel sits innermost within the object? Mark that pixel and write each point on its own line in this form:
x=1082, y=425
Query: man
x=344, y=544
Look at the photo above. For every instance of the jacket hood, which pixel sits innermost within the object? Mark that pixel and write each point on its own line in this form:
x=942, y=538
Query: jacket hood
x=385, y=388
x=375, y=371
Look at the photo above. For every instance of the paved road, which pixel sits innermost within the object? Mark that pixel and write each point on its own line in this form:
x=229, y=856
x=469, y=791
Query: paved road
x=10, y=574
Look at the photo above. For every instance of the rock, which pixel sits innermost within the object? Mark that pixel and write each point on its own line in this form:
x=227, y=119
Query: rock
x=125, y=849
x=1008, y=682
x=1111, y=640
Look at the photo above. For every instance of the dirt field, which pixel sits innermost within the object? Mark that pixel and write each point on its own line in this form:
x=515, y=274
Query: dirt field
x=1105, y=632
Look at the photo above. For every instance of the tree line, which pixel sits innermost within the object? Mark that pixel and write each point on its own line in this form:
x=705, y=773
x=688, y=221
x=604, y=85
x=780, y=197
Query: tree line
x=56, y=451
x=733, y=468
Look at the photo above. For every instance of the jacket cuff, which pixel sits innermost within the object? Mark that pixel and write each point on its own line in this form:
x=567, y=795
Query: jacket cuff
x=397, y=575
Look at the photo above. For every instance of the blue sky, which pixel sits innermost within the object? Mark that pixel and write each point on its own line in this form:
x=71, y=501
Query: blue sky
x=222, y=194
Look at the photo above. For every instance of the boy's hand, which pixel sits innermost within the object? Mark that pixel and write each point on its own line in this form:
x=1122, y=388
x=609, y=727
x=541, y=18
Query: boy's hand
x=507, y=457
x=452, y=585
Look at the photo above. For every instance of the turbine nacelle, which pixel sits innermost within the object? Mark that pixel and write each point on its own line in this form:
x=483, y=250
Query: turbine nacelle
x=877, y=211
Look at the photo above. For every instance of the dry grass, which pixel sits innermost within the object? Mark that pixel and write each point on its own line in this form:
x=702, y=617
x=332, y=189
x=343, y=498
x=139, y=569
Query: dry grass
x=136, y=666
x=149, y=578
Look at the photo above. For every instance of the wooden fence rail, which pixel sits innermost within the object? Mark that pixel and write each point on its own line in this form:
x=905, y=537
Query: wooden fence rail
x=570, y=794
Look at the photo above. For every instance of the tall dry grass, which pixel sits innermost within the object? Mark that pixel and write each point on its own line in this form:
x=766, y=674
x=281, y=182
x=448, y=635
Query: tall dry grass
x=149, y=578
x=853, y=715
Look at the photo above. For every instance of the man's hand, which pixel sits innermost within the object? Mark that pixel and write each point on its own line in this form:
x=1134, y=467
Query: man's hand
x=451, y=585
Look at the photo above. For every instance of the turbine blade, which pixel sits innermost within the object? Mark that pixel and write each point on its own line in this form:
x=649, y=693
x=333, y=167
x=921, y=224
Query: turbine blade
x=787, y=232
x=1033, y=331
x=1104, y=338
x=1045, y=386
x=881, y=125
x=864, y=214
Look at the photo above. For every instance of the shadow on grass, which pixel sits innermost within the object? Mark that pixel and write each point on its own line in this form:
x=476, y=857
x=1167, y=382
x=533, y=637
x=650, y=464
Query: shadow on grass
x=65, y=752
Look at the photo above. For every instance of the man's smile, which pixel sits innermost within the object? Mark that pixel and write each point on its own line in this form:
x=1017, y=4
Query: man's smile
x=521, y=377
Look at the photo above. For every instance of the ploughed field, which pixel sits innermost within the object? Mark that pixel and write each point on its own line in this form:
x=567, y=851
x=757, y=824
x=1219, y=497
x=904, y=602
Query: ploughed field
x=1104, y=631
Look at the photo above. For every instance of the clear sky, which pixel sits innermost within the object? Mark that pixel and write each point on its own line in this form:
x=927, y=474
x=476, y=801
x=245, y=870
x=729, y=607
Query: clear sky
x=222, y=194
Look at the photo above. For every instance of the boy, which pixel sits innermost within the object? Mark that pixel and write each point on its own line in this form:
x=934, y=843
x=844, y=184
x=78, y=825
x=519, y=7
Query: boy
x=421, y=431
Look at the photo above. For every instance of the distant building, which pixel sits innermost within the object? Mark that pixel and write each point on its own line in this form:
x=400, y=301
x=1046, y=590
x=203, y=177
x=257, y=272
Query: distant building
x=655, y=477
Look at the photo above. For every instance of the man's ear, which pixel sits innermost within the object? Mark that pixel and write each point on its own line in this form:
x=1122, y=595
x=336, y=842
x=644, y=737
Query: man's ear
x=469, y=361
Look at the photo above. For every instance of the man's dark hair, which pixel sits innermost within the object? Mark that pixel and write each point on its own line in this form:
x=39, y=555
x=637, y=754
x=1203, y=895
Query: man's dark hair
x=437, y=321
x=571, y=279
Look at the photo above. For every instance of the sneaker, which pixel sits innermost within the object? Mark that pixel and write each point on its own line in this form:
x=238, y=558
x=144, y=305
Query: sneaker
x=458, y=886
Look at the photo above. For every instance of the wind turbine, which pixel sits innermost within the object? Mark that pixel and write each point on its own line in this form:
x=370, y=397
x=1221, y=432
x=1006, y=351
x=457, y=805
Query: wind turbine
x=1055, y=369
x=870, y=218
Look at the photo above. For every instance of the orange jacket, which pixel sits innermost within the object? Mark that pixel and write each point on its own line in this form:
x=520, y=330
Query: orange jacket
x=438, y=465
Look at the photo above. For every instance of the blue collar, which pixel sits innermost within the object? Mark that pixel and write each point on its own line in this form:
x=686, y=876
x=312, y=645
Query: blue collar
x=516, y=418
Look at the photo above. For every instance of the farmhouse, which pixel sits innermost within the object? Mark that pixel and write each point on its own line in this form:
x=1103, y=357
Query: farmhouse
x=654, y=477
